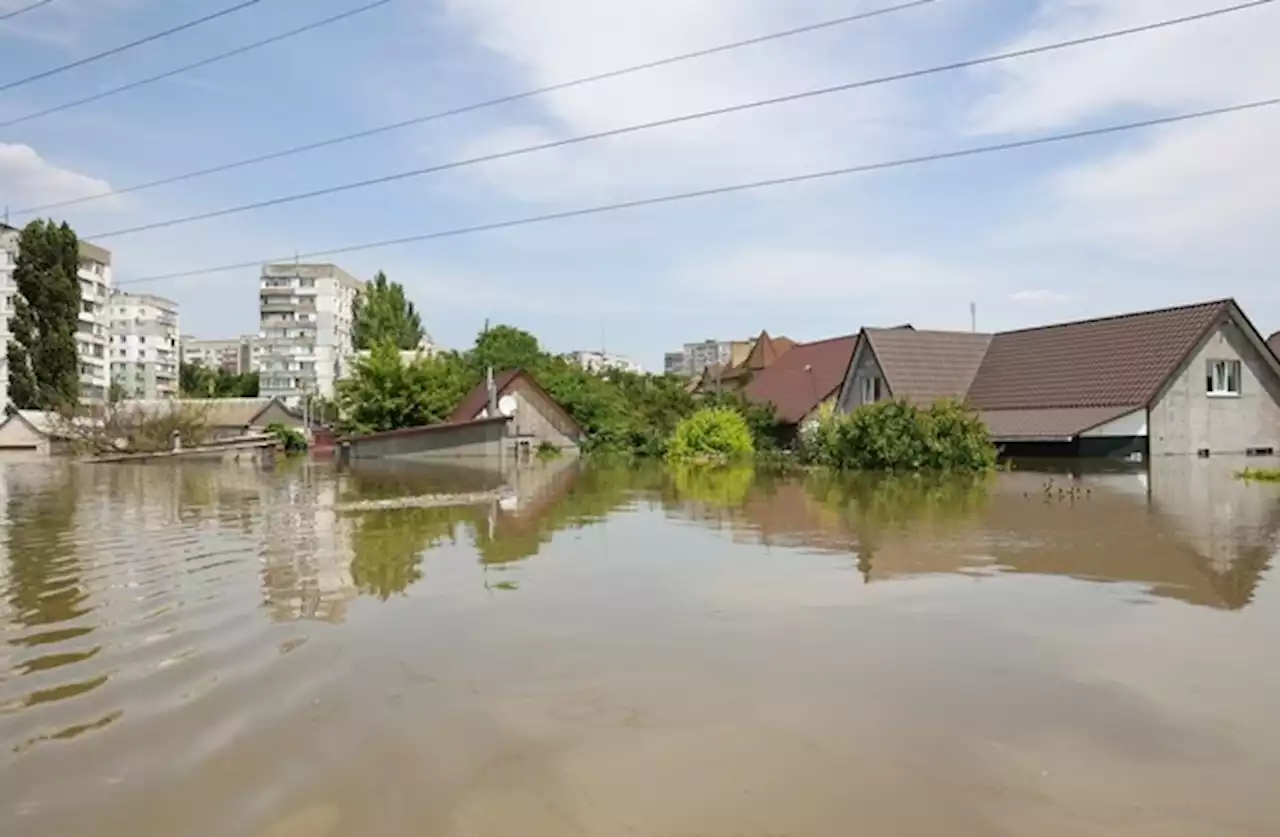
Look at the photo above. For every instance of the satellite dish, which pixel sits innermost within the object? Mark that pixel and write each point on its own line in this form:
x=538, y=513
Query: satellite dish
x=507, y=405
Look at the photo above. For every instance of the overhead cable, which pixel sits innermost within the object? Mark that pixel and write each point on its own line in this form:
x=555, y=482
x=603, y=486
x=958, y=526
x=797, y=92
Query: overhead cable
x=865, y=168
x=24, y=9
x=675, y=120
x=438, y=115
x=116, y=50
x=133, y=85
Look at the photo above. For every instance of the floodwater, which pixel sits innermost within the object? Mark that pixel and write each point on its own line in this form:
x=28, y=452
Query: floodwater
x=190, y=650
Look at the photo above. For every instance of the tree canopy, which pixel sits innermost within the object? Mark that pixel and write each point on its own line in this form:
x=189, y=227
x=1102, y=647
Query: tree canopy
x=382, y=313
x=198, y=381
x=44, y=362
x=618, y=411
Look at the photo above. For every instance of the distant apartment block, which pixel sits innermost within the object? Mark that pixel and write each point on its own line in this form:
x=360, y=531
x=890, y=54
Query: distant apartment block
x=696, y=357
x=91, y=332
x=305, y=328
x=594, y=361
x=143, y=345
x=233, y=356
x=8, y=256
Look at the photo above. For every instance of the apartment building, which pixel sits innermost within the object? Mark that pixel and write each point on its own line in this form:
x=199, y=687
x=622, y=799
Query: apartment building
x=234, y=356
x=594, y=361
x=143, y=345
x=8, y=257
x=305, y=323
x=698, y=356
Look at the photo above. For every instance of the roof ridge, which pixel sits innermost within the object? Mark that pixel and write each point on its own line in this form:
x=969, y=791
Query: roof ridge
x=828, y=340
x=1126, y=316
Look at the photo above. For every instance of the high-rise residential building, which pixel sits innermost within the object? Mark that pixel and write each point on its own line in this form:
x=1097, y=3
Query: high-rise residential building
x=673, y=363
x=143, y=345
x=8, y=257
x=91, y=339
x=91, y=333
x=233, y=356
x=305, y=323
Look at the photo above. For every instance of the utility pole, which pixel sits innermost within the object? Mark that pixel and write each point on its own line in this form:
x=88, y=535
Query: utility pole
x=973, y=316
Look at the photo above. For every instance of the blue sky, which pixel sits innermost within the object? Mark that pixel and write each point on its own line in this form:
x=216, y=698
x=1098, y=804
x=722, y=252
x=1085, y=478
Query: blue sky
x=1167, y=216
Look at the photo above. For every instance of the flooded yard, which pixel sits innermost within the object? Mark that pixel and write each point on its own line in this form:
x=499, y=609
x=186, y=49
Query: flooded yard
x=192, y=650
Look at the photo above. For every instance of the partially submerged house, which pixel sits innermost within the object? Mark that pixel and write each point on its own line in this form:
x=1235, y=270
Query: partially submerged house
x=1196, y=379
x=224, y=418
x=508, y=422
x=803, y=379
x=36, y=431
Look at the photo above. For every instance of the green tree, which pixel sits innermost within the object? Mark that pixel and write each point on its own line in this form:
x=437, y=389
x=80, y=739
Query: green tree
x=384, y=392
x=196, y=381
x=896, y=435
x=43, y=359
x=506, y=347
x=383, y=313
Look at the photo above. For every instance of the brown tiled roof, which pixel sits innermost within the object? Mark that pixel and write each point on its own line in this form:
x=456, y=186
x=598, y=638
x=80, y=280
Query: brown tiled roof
x=1052, y=424
x=795, y=392
x=1114, y=361
x=1274, y=343
x=765, y=351
x=923, y=366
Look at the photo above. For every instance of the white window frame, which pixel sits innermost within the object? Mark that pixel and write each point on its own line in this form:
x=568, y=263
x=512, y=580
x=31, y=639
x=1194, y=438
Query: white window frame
x=870, y=389
x=1223, y=378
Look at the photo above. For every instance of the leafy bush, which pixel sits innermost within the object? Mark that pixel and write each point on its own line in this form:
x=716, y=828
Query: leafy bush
x=898, y=436
x=712, y=434
x=293, y=440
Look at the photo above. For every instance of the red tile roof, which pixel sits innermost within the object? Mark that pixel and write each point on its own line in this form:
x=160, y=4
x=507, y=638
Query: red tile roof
x=1114, y=361
x=803, y=377
x=925, y=366
x=765, y=351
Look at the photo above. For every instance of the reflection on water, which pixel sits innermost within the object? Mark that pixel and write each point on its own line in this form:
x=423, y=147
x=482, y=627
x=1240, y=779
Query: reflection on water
x=636, y=650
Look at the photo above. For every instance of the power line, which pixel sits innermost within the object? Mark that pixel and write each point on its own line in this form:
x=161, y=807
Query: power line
x=133, y=85
x=675, y=120
x=28, y=8
x=191, y=24
x=445, y=114
x=865, y=168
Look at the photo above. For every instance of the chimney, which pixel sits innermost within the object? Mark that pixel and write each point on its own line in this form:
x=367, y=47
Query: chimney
x=493, y=393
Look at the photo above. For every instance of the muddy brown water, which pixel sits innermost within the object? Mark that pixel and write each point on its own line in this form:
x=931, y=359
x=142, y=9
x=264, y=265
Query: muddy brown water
x=199, y=650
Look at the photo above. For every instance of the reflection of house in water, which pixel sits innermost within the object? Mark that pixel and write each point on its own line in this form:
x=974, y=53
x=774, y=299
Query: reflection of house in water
x=1196, y=535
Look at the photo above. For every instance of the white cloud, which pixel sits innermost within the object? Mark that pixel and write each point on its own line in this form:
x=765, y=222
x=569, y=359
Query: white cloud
x=807, y=276
x=1190, y=195
x=556, y=40
x=26, y=179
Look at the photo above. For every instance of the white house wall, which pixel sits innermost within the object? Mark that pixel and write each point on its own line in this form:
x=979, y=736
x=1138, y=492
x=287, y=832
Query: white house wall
x=1185, y=419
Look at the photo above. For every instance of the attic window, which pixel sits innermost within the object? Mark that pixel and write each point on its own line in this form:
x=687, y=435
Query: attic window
x=870, y=390
x=1222, y=377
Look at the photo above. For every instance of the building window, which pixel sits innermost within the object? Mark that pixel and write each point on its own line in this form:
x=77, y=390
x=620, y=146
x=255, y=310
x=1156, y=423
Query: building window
x=870, y=390
x=1222, y=377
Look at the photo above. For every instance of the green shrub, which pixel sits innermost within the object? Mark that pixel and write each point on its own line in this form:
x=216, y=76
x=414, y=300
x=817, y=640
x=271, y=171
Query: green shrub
x=293, y=440
x=898, y=436
x=548, y=451
x=1259, y=475
x=712, y=434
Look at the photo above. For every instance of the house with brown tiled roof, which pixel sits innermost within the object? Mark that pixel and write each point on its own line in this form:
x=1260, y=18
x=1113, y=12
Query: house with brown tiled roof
x=1196, y=379
x=803, y=379
x=765, y=351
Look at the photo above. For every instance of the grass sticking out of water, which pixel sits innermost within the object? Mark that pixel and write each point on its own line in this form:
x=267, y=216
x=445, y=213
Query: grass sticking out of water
x=1259, y=475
